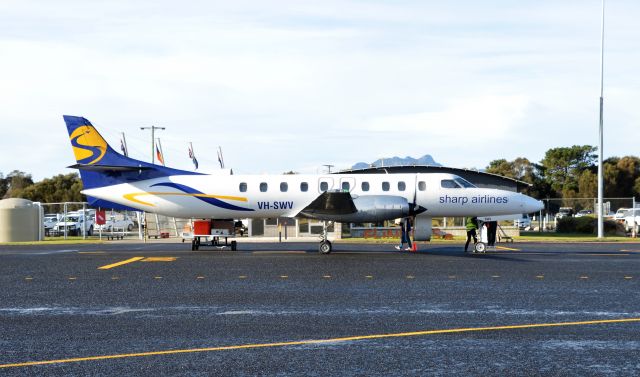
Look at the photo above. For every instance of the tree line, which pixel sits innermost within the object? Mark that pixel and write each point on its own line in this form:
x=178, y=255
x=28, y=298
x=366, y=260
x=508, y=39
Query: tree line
x=572, y=172
x=564, y=172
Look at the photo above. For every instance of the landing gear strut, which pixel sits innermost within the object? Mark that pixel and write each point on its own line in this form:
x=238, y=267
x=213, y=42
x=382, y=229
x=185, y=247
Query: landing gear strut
x=325, y=245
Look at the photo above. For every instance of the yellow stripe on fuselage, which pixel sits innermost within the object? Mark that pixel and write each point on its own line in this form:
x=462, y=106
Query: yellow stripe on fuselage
x=133, y=196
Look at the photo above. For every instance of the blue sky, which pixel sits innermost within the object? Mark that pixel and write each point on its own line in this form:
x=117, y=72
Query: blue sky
x=293, y=85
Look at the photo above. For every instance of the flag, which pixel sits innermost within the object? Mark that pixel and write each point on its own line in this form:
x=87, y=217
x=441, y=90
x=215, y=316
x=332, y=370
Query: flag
x=123, y=148
x=159, y=155
x=192, y=156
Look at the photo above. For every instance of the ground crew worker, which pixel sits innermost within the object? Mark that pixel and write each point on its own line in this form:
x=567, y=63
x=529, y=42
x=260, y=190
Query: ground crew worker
x=471, y=224
x=405, y=237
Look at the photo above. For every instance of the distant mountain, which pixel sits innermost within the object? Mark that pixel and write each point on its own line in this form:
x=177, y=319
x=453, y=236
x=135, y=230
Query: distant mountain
x=398, y=161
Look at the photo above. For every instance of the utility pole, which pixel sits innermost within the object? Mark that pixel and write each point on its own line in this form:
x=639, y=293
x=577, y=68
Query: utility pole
x=600, y=129
x=153, y=139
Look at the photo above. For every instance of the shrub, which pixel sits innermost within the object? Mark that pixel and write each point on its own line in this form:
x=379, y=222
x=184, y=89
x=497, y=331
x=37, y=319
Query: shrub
x=586, y=225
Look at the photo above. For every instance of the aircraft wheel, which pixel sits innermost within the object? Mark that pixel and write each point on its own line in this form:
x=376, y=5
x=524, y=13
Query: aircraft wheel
x=325, y=247
x=480, y=247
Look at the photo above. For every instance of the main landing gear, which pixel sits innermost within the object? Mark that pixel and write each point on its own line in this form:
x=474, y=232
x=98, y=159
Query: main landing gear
x=325, y=245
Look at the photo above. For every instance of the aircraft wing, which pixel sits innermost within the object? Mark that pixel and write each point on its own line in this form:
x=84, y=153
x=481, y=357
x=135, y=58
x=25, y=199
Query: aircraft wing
x=330, y=203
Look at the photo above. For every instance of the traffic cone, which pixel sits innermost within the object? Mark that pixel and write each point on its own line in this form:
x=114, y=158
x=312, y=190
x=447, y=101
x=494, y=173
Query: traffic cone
x=414, y=248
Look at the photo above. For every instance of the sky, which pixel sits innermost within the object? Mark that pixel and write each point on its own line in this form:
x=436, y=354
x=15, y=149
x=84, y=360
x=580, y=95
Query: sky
x=293, y=85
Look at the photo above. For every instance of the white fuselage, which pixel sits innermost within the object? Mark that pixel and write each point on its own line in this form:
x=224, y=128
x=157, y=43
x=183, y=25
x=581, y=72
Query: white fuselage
x=268, y=196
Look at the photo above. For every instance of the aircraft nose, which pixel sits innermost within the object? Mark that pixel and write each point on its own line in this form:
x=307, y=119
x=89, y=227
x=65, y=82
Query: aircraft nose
x=531, y=205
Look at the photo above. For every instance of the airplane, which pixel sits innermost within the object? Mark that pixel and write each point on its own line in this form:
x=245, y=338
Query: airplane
x=112, y=180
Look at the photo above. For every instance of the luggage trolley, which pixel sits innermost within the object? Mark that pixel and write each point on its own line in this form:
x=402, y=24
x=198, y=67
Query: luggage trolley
x=482, y=245
x=211, y=233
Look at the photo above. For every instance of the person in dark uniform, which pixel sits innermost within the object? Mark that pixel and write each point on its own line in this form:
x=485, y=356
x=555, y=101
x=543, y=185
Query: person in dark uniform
x=405, y=227
x=492, y=230
x=471, y=224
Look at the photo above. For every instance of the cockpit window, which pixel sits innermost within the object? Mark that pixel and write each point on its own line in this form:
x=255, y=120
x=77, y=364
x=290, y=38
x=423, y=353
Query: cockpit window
x=464, y=183
x=448, y=183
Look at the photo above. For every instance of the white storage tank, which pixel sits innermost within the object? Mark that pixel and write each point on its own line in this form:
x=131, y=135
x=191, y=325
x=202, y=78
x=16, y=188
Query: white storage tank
x=20, y=220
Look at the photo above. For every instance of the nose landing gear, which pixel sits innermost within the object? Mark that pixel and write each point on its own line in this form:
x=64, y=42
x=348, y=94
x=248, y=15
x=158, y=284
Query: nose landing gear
x=325, y=245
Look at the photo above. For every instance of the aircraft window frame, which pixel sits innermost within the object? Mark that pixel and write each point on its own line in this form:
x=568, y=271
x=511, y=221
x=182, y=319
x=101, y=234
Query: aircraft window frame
x=304, y=186
x=365, y=186
x=284, y=187
x=449, y=184
x=347, y=184
x=242, y=187
x=264, y=186
x=422, y=186
x=402, y=186
x=324, y=186
x=386, y=186
x=463, y=182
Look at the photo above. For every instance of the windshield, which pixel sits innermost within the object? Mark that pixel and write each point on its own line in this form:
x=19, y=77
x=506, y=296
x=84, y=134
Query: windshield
x=71, y=219
x=464, y=183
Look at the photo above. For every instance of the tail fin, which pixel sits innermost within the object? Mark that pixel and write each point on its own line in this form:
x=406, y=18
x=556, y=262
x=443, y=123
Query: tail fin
x=100, y=165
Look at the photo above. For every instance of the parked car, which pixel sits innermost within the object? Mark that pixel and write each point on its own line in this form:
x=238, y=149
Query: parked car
x=620, y=214
x=584, y=212
x=564, y=212
x=523, y=222
x=50, y=220
x=75, y=225
x=114, y=224
x=631, y=219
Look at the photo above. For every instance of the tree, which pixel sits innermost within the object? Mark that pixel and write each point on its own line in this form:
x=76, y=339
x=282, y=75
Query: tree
x=18, y=181
x=522, y=169
x=4, y=185
x=563, y=166
x=58, y=189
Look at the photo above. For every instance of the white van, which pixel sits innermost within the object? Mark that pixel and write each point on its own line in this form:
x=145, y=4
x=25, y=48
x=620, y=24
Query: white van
x=631, y=219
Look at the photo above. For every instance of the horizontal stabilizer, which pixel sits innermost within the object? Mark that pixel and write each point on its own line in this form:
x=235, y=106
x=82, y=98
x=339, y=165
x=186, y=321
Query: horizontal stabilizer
x=108, y=168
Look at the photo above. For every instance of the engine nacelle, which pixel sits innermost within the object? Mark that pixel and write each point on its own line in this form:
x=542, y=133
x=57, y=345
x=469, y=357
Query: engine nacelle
x=422, y=228
x=372, y=208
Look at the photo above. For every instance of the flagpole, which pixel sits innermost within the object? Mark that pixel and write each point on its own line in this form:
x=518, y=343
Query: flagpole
x=124, y=141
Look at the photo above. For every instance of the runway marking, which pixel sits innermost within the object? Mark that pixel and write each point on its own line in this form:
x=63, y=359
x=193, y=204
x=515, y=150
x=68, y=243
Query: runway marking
x=28, y=278
x=284, y=276
x=320, y=341
x=630, y=251
x=114, y=278
x=540, y=276
x=242, y=277
x=369, y=276
x=157, y=277
x=410, y=277
x=72, y=278
x=199, y=277
x=159, y=259
x=495, y=276
x=326, y=276
x=92, y=252
x=584, y=277
x=628, y=277
x=130, y=260
x=506, y=248
x=452, y=276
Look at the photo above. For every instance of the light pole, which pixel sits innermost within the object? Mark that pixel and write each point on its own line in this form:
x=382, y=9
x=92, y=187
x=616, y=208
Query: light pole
x=153, y=134
x=600, y=149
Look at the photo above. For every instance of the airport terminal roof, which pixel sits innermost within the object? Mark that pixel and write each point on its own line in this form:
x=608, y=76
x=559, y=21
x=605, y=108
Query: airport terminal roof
x=478, y=178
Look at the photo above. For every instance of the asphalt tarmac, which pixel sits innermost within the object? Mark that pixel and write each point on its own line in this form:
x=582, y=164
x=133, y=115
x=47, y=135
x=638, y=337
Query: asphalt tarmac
x=283, y=309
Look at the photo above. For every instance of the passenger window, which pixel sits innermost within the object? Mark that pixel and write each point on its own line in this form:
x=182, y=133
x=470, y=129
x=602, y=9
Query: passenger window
x=284, y=186
x=365, y=186
x=422, y=185
x=243, y=187
x=304, y=187
x=402, y=186
x=448, y=183
x=345, y=186
x=263, y=187
x=385, y=186
x=324, y=186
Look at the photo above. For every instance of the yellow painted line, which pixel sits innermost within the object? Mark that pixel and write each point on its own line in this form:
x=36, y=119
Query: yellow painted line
x=369, y=277
x=130, y=260
x=506, y=248
x=92, y=252
x=200, y=277
x=159, y=259
x=242, y=277
x=157, y=277
x=321, y=341
x=28, y=278
x=540, y=276
x=628, y=277
x=283, y=276
x=584, y=277
x=327, y=276
x=630, y=251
